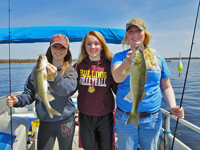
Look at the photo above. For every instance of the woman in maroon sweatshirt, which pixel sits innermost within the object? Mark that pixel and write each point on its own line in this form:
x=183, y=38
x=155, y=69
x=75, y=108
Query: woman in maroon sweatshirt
x=95, y=93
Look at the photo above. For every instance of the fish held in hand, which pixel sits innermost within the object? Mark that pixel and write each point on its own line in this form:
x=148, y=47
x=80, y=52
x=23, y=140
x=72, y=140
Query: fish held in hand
x=138, y=77
x=41, y=84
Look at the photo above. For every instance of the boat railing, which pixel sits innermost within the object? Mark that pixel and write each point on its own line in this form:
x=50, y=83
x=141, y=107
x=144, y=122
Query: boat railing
x=169, y=137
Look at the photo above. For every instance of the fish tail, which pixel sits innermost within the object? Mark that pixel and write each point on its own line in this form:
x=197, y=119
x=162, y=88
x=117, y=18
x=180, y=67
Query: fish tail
x=52, y=112
x=134, y=119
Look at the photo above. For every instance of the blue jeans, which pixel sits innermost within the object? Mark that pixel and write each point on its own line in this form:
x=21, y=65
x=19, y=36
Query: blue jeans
x=147, y=134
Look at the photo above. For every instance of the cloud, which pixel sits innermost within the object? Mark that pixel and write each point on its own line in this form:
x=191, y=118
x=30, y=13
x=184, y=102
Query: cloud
x=170, y=23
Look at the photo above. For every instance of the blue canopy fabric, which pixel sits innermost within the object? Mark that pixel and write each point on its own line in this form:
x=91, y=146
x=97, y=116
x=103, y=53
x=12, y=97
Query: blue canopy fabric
x=44, y=33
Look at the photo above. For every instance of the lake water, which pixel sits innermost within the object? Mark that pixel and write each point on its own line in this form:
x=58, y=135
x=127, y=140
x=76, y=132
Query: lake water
x=191, y=98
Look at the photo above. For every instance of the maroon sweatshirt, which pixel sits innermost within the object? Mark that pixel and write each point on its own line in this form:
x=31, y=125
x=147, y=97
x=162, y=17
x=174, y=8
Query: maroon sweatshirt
x=95, y=86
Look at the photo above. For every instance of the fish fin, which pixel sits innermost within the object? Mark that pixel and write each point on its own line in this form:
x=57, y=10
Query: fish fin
x=128, y=98
x=44, y=77
x=38, y=70
x=34, y=79
x=50, y=97
x=50, y=78
x=127, y=71
x=134, y=119
x=50, y=91
x=52, y=112
x=37, y=95
x=144, y=95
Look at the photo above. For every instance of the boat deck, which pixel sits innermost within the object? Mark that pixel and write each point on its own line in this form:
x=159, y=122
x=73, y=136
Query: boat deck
x=21, y=127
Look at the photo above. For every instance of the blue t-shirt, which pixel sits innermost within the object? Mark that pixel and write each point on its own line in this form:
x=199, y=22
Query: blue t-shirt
x=152, y=102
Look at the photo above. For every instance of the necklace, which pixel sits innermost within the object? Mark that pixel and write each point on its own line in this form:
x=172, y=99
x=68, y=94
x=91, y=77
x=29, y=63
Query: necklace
x=91, y=88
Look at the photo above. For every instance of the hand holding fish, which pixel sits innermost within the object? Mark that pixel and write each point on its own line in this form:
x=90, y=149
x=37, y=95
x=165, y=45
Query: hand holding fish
x=51, y=70
x=129, y=56
x=41, y=85
x=128, y=60
x=11, y=100
x=178, y=112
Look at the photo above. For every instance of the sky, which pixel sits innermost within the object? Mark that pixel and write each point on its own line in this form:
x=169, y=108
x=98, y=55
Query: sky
x=171, y=23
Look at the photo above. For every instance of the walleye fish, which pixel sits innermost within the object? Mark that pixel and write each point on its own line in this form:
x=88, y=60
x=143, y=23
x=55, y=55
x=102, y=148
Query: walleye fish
x=41, y=84
x=138, y=77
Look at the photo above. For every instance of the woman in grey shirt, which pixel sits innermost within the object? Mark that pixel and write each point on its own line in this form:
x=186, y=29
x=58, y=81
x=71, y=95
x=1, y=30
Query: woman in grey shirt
x=63, y=85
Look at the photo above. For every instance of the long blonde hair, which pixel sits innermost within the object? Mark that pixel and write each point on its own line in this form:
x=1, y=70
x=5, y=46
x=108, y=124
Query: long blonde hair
x=105, y=53
x=150, y=54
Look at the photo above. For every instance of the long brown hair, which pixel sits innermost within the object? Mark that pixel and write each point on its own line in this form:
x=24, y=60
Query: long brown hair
x=105, y=53
x=66, y=63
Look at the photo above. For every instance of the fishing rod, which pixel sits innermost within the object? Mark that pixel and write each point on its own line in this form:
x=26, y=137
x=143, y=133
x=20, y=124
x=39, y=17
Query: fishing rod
x=10, y=77
x=186, y=74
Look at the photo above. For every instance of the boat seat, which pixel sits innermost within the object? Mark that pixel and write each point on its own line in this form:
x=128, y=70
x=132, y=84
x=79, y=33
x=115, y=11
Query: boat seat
x=27, y=111
x=17, y=111
x=19, y=131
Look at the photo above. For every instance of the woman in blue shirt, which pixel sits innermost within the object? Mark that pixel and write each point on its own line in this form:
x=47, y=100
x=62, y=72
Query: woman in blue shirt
x=150, y=118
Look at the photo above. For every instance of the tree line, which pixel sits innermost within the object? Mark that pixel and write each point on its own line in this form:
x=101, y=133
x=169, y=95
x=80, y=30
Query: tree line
x=6, y=61
x=175, y=58
x=12, y=61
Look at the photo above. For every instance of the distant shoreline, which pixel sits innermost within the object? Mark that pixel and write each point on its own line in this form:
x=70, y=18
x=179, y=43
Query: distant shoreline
x=177, y=58
x=26, y=61
x=22, y=61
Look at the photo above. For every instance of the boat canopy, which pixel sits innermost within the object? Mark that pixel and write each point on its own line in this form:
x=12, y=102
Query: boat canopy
x=44, y=33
